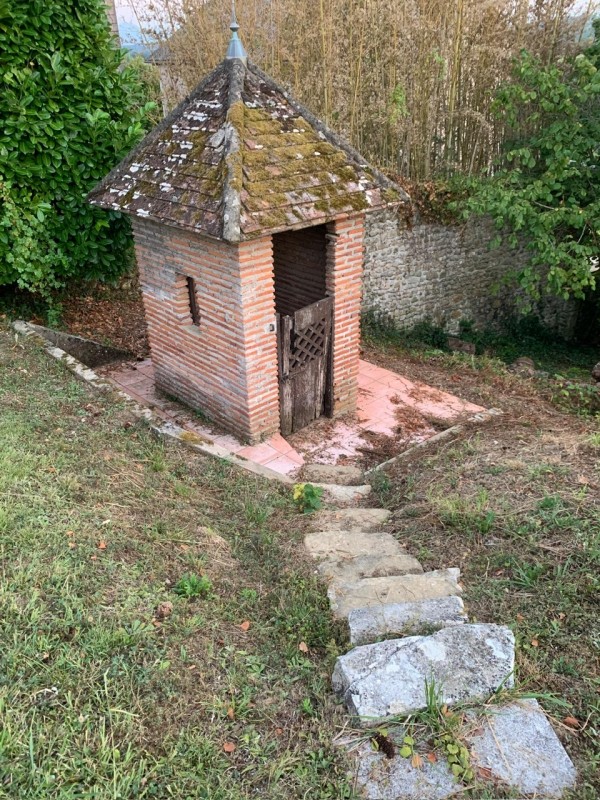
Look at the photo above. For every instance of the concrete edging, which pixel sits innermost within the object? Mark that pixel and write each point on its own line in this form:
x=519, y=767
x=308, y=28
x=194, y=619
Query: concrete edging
x=449, y=433
x=164, y=430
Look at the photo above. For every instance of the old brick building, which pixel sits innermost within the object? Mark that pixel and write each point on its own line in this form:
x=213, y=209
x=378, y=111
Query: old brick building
x=248, y=218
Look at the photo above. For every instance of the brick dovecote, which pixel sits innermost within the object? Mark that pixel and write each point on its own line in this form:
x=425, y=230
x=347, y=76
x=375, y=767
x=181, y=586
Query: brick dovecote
x=226, y=365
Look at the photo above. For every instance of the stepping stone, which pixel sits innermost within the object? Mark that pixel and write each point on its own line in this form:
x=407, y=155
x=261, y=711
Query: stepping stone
x=369, y=592
x=519, y=746
x=328, y=473
x=514, y=745
x=350, y=519
x=381, y=778
x=370, y=624
x=466, y=663
x=350, y=570
x=348, y=544
x=344, y=495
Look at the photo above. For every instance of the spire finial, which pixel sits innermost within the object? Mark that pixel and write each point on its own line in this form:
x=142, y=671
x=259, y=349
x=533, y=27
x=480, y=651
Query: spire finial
x=236, y=48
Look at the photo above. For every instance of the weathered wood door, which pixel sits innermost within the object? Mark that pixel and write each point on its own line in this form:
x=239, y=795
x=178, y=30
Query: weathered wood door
x=304, y=345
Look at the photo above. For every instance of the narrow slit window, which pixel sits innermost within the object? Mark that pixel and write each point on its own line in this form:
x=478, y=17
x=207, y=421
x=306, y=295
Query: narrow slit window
x=193, y=301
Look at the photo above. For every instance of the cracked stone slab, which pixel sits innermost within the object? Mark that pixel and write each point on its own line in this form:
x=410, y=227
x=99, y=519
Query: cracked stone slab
x=330, y=473
x=467, y=663
x=343, y=495
x=381, y=778
x=512, y=746
x=372, y=592
x=350, y=519
x=519, y=746
x=369, y=624
x=349, y=570
x=349, y=544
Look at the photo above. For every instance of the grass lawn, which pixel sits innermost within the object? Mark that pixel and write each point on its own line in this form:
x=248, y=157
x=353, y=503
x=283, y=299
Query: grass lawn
x=163, y=635
x=515, y=504
x=114, y=682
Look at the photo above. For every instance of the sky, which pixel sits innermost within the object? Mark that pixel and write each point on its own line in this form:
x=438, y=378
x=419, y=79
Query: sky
x=124, y=11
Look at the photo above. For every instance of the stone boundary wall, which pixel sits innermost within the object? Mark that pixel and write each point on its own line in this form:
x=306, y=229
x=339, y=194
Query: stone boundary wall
x=445, y=273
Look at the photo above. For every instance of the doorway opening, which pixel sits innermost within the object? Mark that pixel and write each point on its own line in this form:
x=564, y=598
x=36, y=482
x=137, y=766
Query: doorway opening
x=304, y=315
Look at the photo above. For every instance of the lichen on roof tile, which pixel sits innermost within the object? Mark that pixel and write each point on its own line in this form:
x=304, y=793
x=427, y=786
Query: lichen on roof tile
x=238, y=159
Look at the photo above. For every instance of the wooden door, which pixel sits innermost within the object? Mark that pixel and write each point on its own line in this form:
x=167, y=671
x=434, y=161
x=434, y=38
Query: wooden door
x=304, y=345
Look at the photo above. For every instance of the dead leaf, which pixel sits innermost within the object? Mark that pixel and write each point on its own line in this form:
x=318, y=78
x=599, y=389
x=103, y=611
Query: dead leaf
x=70, y=533
x=164, y=610
x=278, y=731
x=432, y=758
x=520, y=617
x=445, y=711
x=231, y=712
x=229, y=747
x=72, y=545
x=417, y=761
x=562, y=615
x=571, y=722
x=101, y=545
x=583, y=480
x=303, y=647
x=485, y=773
x=534, y=643
x=245, y=625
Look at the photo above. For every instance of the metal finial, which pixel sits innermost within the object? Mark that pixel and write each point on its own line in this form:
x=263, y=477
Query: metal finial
x=236, y=48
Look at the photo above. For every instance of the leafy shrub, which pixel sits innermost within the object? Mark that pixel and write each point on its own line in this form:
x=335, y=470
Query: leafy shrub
x=70, y=111
x=193, y=586
x=308, y=498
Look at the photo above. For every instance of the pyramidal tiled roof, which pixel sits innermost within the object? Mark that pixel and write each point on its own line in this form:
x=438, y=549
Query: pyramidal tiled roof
x=238, y=159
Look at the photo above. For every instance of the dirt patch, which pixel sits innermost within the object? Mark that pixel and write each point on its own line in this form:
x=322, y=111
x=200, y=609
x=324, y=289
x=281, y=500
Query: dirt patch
x=110, y=315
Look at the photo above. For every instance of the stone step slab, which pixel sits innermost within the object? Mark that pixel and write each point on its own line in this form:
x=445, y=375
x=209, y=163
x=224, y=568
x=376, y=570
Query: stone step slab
x=367, y=625
x=349, y=544
x=343, y=496
x=517, y=743
x=350, y=519
x=466, y=662
x=329, y=473
x=350, y=570
x=514, y=744
x=373, y=592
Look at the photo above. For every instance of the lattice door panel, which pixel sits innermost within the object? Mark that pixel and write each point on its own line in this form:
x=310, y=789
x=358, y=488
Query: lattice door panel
x=309, y=344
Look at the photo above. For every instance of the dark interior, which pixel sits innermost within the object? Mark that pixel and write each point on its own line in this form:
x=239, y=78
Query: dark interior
x=300, y=259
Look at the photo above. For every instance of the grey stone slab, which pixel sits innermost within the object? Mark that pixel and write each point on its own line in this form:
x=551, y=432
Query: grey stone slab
x=381, y=778
x=371, y=592
x=511, y=746
x=350, y=519
x=350, y=570
x=369, y=624
x=349, y=544
x=518, y=744
x=330, y=473
x=467, y=663
x=343, y=496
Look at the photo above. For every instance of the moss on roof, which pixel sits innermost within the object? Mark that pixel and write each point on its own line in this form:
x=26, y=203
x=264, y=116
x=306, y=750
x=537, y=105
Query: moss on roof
x=237, y=166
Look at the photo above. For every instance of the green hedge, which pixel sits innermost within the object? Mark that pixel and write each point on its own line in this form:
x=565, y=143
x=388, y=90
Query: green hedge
x=69, y=111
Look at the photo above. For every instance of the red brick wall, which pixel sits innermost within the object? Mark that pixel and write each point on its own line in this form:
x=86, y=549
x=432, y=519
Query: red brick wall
x=344, y=281
x=226, y=366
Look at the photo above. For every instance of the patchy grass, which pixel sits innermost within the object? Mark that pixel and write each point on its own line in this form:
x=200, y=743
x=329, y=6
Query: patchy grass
x=152, y=604
x=516, y=505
